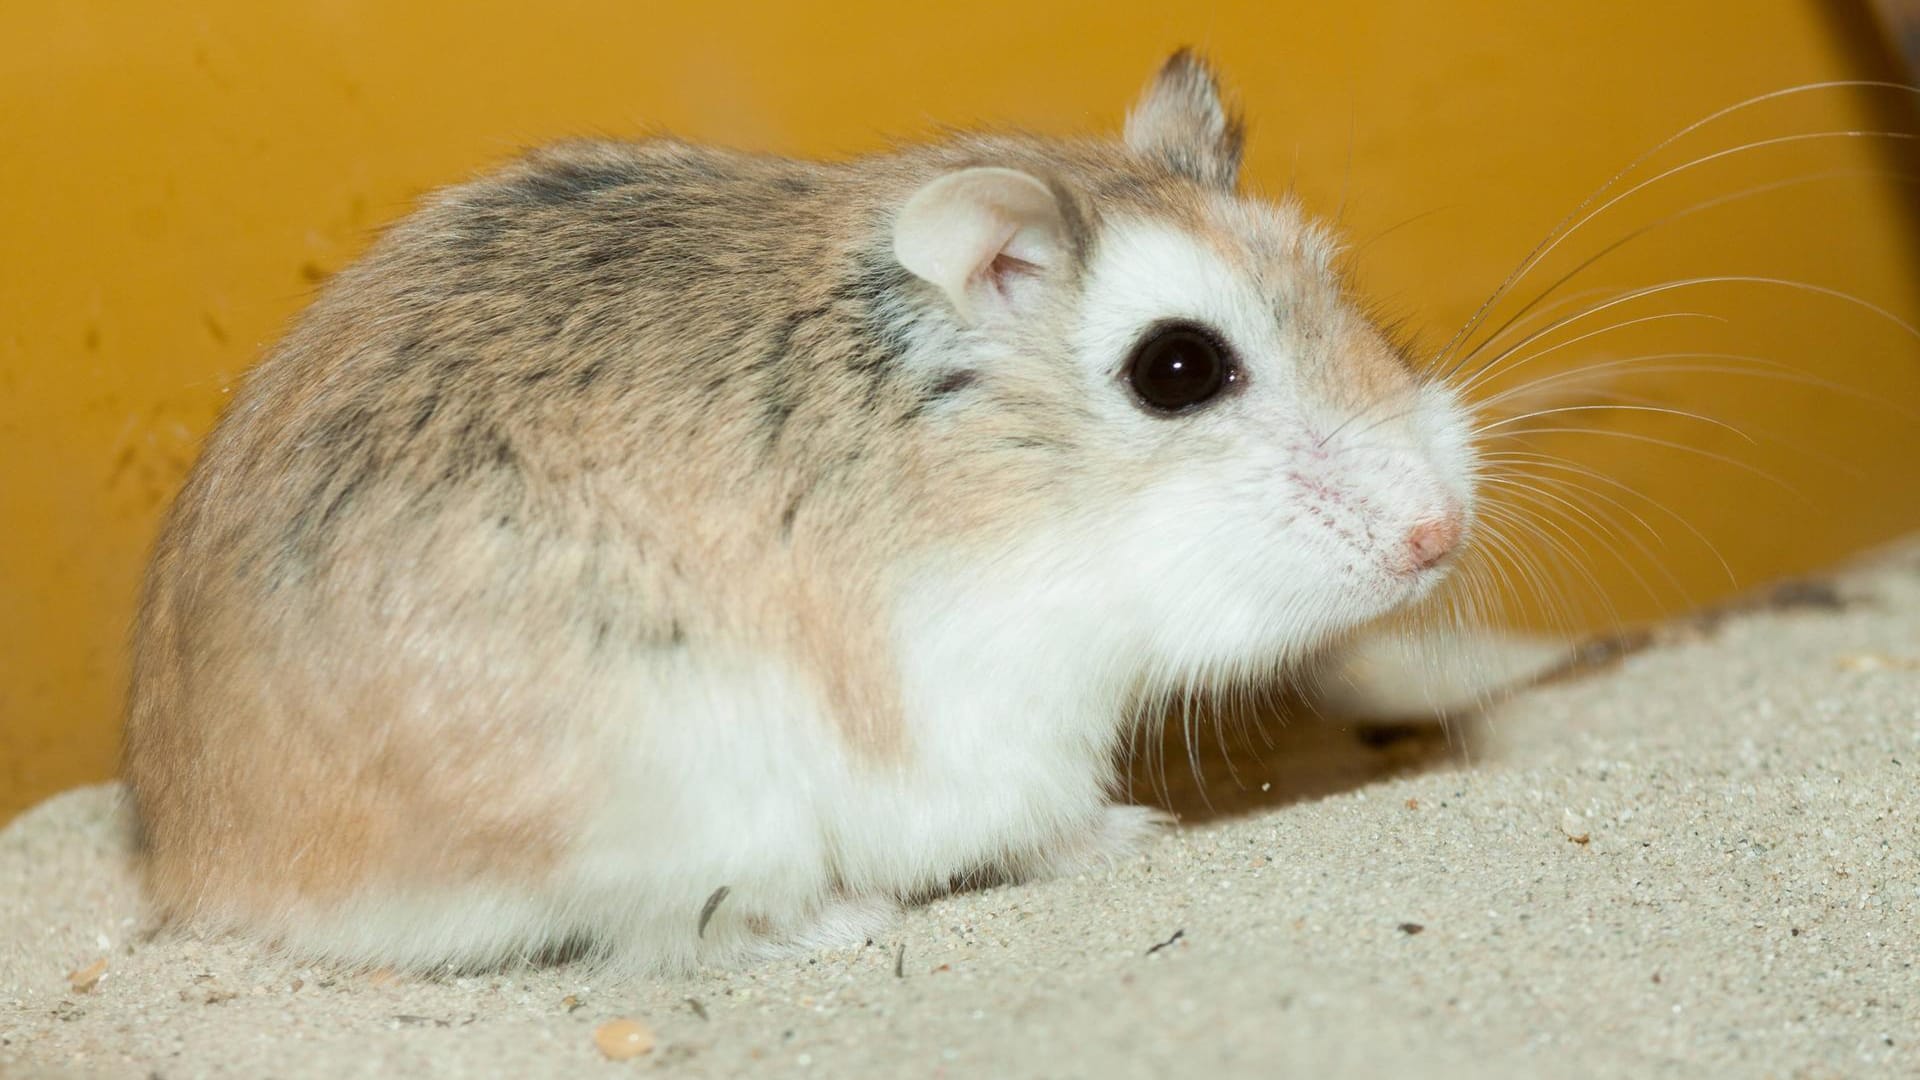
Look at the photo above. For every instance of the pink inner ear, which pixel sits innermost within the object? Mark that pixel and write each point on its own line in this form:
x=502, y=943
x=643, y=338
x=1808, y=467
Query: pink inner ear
x=1003, y=268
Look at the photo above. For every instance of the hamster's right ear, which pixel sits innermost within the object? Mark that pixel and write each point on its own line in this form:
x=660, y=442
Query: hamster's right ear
x=981, y=235
x=1180, y=122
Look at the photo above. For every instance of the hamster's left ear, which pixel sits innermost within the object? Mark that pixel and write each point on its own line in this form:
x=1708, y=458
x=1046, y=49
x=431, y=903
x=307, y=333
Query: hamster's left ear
x=1180, y=123
x=983, y=236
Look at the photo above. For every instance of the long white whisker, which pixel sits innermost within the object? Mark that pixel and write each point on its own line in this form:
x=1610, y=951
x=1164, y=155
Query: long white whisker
x=1562, y=227
x=1562, y=549
x=1604, y=407
x=1752, y=367
x=1721, y=279
x=1525, y=459
x=1555, y=461
x=1534, y=493
x=1491, y=366
x=1760, y=144
x=1696, y=208
x=1669, y=444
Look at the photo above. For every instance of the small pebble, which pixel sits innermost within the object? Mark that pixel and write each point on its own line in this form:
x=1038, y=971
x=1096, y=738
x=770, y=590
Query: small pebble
x=1571, y=825
x=623, y=1039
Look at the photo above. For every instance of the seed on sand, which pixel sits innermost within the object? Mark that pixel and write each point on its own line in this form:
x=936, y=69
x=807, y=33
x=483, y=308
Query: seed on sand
x=84, y=980
x=623, y=1039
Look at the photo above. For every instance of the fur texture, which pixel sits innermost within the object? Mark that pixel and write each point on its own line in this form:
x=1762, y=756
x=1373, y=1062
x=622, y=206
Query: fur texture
x=632, y=523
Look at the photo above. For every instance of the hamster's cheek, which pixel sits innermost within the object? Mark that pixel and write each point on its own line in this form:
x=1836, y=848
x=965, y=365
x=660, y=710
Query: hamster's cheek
x=1244, y=565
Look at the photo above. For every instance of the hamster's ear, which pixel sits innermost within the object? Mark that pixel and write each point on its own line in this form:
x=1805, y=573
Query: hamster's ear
x=977, y=233
x=1180, y=123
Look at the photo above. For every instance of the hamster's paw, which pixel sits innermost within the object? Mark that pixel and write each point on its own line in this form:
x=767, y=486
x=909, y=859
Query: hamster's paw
x=842, y=923
x=1120, y=833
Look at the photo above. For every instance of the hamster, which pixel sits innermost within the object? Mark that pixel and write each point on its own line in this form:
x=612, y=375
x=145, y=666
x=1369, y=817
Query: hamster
x=677, y=556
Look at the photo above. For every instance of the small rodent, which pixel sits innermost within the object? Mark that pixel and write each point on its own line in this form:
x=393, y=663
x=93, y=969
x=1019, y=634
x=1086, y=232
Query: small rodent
x=645, y=520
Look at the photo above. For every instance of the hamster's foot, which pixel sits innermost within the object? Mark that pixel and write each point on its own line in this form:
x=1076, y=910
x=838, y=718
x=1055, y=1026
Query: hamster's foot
x=1120, y=833
x=841, y=923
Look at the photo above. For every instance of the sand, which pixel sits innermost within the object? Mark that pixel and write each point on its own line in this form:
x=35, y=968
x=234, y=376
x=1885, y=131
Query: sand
x=1703, y=860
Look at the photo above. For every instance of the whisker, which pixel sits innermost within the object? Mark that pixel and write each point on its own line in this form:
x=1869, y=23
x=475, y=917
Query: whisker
x=1555, y=461
x=1562, y=549
x=1357, y=414
x=1346, y=177
x=1621, y=400
x=1562, y=227
x=1522, y=459
x=1669, y=444
x=1397, y=226
x=1723, y=279
x=1759, y=144
x=1534, y=494
x=1496, y=514
x=1605, y=407
x=1492, y=542
x=1696, y=208
x=1491, y=367
x=1525, y=562
x=1643, y=365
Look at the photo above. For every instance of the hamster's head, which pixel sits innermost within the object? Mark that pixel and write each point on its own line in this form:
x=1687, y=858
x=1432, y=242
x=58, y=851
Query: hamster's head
x=1239, y=460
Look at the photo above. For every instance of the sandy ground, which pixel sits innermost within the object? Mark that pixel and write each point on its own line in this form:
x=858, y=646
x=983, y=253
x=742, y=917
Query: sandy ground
x=1703, y=860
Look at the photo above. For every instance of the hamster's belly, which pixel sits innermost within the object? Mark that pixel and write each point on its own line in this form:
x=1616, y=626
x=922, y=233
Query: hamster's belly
x=731, y=773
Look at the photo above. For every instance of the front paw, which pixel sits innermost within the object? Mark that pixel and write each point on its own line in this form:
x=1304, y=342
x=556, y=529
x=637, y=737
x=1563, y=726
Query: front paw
x=1118, y=834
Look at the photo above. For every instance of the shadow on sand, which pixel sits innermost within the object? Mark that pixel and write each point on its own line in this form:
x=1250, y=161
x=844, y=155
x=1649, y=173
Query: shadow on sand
x=1227, y=761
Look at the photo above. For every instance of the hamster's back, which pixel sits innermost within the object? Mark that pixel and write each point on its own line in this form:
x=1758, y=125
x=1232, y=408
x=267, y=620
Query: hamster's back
x=454, y=495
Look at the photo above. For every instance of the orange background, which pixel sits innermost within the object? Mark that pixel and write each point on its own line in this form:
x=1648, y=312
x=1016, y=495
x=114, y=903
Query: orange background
x=177, y=177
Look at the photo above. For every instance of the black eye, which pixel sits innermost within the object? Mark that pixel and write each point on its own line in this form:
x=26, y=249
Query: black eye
x=1175, y=368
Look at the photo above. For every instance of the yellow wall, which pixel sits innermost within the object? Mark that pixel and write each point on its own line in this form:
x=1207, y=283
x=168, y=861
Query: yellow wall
x=175, y=177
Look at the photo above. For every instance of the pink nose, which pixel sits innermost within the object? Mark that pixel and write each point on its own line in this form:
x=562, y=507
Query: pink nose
x=1431, y=541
